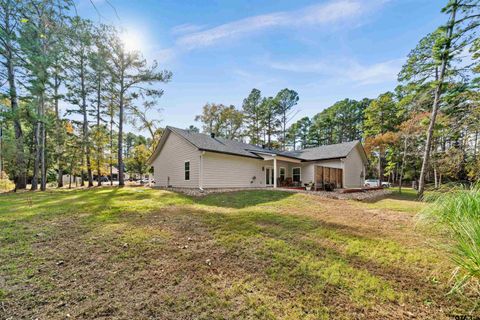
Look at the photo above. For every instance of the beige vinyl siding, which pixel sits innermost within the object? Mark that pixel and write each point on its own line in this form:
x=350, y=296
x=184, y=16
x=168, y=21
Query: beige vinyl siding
x=333, y=163
x=171, y=163
x=282, y=164
x=354, y=167
x=227, y=171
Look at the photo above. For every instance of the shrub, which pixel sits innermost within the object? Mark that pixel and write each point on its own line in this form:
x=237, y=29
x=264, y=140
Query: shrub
x=458, y=213
x=6, y=185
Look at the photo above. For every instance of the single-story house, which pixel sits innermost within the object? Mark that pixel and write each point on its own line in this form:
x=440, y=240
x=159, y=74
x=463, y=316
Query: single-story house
x=194, y=160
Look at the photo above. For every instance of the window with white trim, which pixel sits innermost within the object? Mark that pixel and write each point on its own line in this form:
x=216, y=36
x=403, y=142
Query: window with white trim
x=296, y=174
x=187, y=170
x=282, y=173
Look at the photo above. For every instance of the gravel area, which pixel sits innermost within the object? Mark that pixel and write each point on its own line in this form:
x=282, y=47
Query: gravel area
x=360, y=196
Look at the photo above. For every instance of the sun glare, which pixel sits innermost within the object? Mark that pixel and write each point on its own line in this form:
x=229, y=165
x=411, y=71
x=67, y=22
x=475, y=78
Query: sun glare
x=132, y=40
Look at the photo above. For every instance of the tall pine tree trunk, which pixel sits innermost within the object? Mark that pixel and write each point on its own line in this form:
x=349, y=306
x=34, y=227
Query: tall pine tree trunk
x=86, y=141
x=381, y=156
x=121, y=180
x=111, y=146
x=43, y=165
x=82, y=172
x=402, y=168
x=38, y=151
x=59, y=133
x=436, y=102
x=99, y=149
x=20, y=176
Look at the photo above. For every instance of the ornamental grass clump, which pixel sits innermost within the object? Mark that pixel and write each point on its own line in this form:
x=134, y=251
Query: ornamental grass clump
x=457, y=212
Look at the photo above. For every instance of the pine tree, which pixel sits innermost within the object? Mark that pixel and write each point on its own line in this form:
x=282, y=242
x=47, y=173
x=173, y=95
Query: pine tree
x=9, y=51
x=286, y=99
x=269, y=121
x=133, y=78
x=78, y=84
x=433, y=60
x=253, y=114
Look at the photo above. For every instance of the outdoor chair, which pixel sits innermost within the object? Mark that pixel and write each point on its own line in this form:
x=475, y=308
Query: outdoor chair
x=288, y=182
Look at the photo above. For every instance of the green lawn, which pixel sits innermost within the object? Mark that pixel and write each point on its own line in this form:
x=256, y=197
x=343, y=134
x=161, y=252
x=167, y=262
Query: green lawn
x=140, y=253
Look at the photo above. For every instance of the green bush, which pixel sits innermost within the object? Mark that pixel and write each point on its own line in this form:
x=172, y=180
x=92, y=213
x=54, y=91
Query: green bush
x=458, y=213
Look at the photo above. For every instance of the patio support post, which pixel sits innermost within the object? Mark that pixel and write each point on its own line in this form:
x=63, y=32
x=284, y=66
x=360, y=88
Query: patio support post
x=274, y=172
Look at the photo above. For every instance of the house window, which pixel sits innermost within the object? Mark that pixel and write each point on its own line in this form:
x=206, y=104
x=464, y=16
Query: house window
x=282, y=174
x=296, y=174
x=187, y=170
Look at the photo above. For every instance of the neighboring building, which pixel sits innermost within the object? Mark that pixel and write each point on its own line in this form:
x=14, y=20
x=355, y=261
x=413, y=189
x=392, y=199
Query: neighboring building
x=114, y=176
x=195, y=160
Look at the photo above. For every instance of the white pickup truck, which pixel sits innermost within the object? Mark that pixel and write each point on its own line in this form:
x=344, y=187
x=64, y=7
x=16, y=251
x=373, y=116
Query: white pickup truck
x=376, y=183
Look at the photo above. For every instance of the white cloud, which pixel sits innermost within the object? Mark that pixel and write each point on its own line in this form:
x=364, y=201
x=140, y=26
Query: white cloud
x=346, y=70
x=186, y=28
x=375, y=73
x=328, y=13
x=247, y=25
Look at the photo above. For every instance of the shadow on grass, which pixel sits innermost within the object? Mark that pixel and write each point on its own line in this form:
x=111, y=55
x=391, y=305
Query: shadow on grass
x=105, y=201
x=308, y=254
x=243, y=199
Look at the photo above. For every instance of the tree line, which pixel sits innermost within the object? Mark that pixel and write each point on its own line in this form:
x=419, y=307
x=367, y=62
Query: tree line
x=425, y=130
x=68, y=88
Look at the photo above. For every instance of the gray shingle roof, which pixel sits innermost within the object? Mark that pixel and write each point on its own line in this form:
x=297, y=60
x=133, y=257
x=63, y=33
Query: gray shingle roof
x=340, y=150
x=206, y=142
x=217, y=144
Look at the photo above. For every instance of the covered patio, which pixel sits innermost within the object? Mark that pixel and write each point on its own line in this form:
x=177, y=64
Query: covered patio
x=281, y=171
x=285, y=172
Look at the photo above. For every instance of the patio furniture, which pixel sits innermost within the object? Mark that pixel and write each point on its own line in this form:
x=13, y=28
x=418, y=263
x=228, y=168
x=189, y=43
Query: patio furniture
x=329, y=186
x=288, y=182
x=282, y=182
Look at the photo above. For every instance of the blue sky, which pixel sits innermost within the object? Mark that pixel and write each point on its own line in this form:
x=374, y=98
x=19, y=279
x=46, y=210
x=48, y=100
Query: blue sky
x=219, y=50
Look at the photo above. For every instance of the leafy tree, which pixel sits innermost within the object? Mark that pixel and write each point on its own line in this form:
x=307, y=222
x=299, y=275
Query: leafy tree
x=137, y=162
x=382, y=116
x=409, y=134
x=223, y=121
x=232, y=122
x=341, y=122
x=433, y=60
x=211, y=118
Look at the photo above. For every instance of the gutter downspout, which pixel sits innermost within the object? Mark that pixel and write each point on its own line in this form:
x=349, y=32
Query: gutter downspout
x=200, y=178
